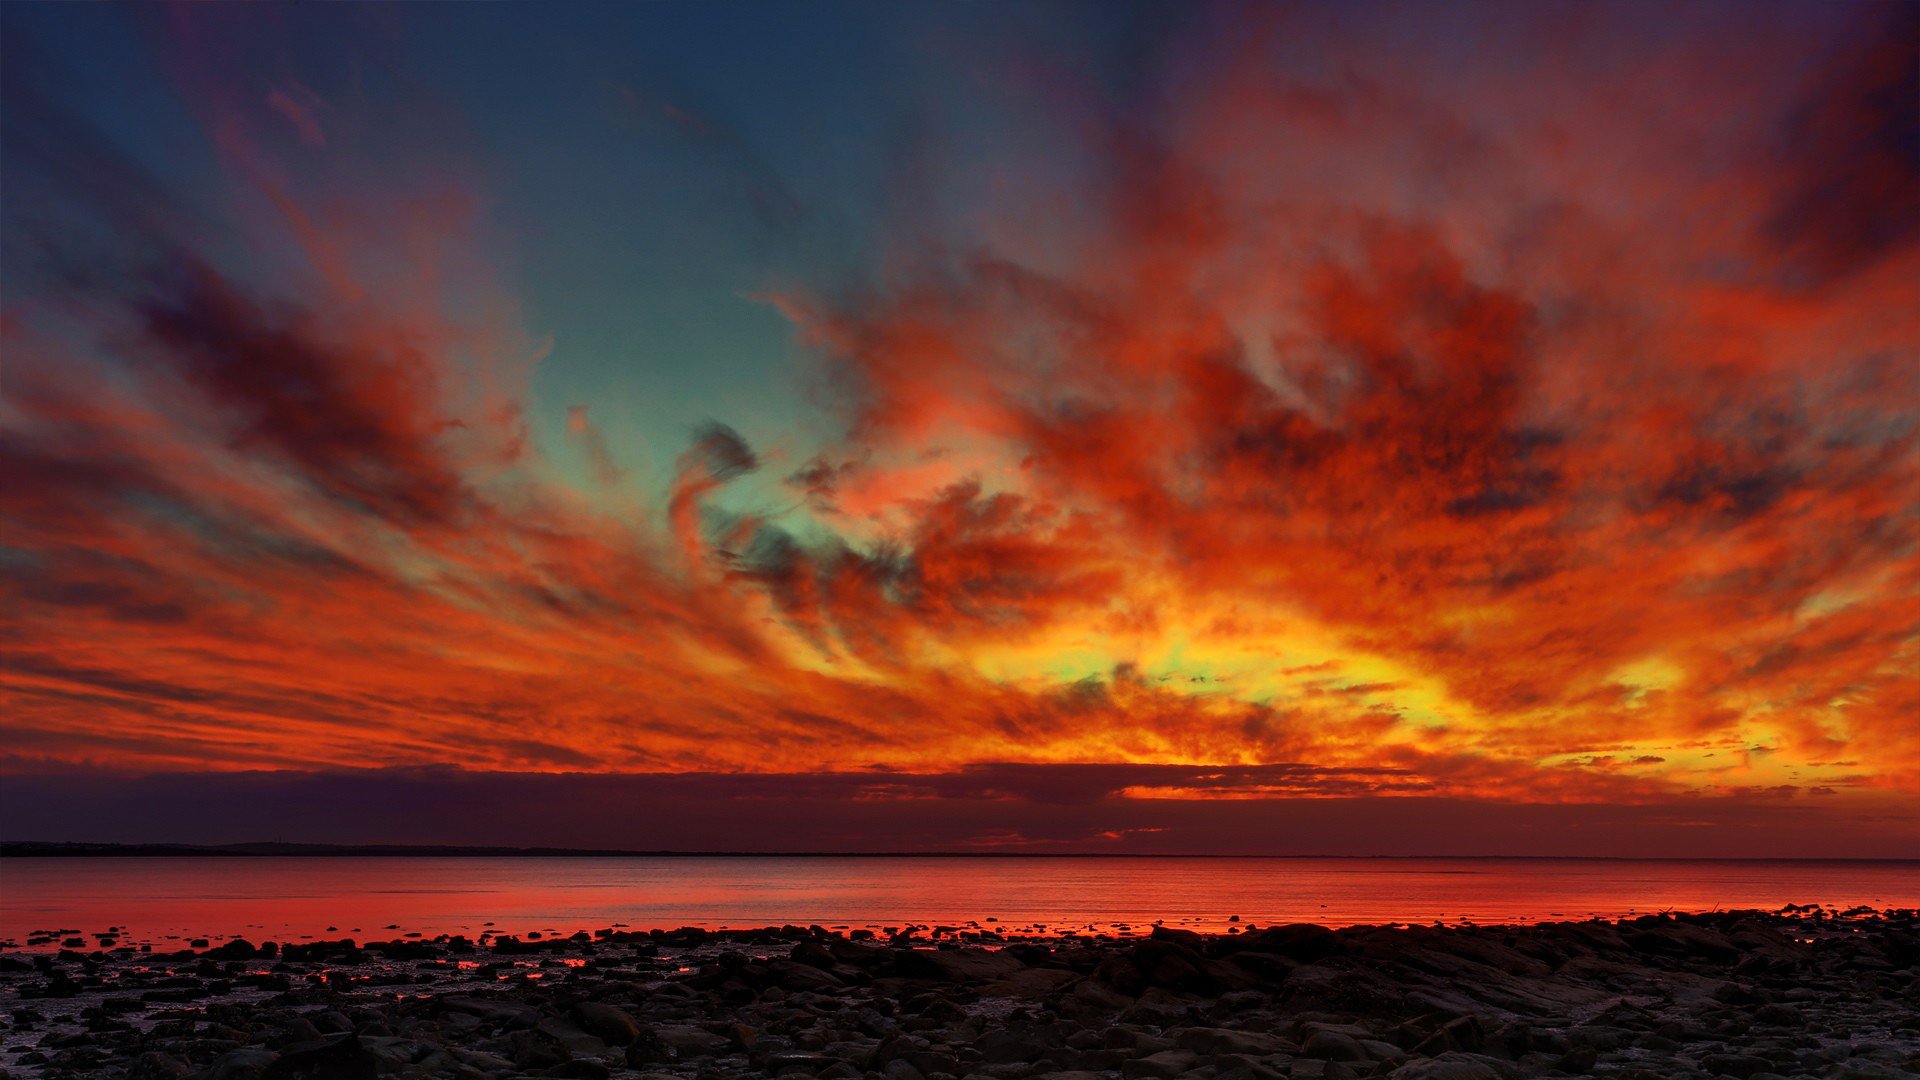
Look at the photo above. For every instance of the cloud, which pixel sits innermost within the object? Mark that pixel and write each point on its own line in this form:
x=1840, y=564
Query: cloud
x=1368, y=429
x=1850, y=155
x=352, y=418
x=300, y=107
x=593, y=442
x=842, y=812
x=1512, y=447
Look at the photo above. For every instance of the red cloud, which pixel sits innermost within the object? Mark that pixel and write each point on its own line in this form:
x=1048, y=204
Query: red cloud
x=1355, y=437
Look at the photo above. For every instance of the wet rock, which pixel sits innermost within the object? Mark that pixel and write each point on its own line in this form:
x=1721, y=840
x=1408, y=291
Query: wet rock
x=1334, y=987
x=506, y=1013
x=245, y=1063
x=237, y=949
x=793, y=976
x=688, y=1041
x=1448, y=1066
x=330, y=1059
x=612, y=1024
x=1229, y=1041
x=1302, y=942
x=156, y=1065
x=956, y=965
x=1166, y=1063
x=1781, y=1015
x=1334, y=1046
x=1646, y=999
x=1741, y=1066
x=1321, y=1069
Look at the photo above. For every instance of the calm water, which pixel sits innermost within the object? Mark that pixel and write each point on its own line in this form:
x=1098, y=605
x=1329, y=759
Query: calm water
x=162, y=899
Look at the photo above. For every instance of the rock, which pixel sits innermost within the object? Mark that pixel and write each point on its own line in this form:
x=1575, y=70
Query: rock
x=797, y=977
x=154, y=1065
x=395, y=1054
x=576, y=1040
x=683, y=1041
x=533, y=1051
x=955, y=965
x=237, y=949
x=610, y=1023
x=1228, y=1041
x=1320, y=1069
x=330, y=1059
x=1303, y=942
x=1003, y=1046
x=1188, y=938
x=246, y=1063
x=810, y=1063
x=1832, y=1000
x=1268, y=968
x=1168, y=964
x=512, y=1014
x=647, y=1048
x=1578, y=1061
x=815, y=954
x=1165, y=1064
x=1736, y=1065
x=1030, y=983
x=1334, y=1046
x=1449, y=1066
x=1346, y=988
x=1653, y=934
x=1161, y=1008
x=328, y=1022
x=1782, y=1015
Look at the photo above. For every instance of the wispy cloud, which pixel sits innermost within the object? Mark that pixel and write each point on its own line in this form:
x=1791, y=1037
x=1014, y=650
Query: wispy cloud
x=1359, y=430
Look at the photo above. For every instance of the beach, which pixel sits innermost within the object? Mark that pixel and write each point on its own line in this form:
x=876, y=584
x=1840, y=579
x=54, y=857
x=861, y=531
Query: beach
x=1747, y=994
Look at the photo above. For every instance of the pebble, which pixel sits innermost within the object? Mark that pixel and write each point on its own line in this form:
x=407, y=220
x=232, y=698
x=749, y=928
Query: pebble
x=1747, y=995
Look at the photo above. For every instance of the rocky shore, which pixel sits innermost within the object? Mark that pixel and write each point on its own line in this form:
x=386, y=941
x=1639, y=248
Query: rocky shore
x=1748, y=995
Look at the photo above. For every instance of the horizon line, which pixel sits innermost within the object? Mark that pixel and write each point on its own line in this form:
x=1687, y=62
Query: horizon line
x=273, y=848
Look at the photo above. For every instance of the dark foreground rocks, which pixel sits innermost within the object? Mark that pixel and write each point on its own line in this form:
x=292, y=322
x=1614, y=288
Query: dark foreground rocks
x=1746, y=995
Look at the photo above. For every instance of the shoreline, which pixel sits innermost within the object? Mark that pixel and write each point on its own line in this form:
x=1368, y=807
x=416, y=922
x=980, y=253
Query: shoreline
x=1804, y=991
x=36, y=849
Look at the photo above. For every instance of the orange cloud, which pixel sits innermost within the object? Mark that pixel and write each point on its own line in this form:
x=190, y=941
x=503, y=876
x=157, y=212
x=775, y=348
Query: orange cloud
x=1366, y=440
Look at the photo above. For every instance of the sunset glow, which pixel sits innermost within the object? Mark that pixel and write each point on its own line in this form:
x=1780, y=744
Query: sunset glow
x=1151, y=423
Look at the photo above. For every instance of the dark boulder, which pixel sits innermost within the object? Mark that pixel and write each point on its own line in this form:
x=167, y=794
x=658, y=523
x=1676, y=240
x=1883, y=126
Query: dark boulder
x=1304, y=942
x=329, y=1059
x=609, y=1023
x=955, y=965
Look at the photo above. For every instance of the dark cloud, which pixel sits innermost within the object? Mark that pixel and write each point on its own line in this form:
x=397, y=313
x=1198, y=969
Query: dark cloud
x=1851, y=150
x=720, y=453
x=837, y=812
x=351, y=419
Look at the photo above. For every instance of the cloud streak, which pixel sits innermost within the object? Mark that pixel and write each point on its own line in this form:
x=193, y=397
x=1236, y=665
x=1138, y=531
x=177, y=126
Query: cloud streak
x=1357, y=432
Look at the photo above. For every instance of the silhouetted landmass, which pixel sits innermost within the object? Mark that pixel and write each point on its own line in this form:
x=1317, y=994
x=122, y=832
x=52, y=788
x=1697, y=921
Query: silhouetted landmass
x=17, y=849
x=45, y=849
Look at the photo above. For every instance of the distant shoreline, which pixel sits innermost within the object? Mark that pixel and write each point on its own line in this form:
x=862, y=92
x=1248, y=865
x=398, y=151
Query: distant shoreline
x=33, y=849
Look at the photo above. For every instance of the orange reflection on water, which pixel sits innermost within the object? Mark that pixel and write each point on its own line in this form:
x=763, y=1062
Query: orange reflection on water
x=168, y=899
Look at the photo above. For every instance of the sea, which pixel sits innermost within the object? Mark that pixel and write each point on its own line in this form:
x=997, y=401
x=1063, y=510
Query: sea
x=174, y=899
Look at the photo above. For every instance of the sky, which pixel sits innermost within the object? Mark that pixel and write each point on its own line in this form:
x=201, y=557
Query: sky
x=1132, y=427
